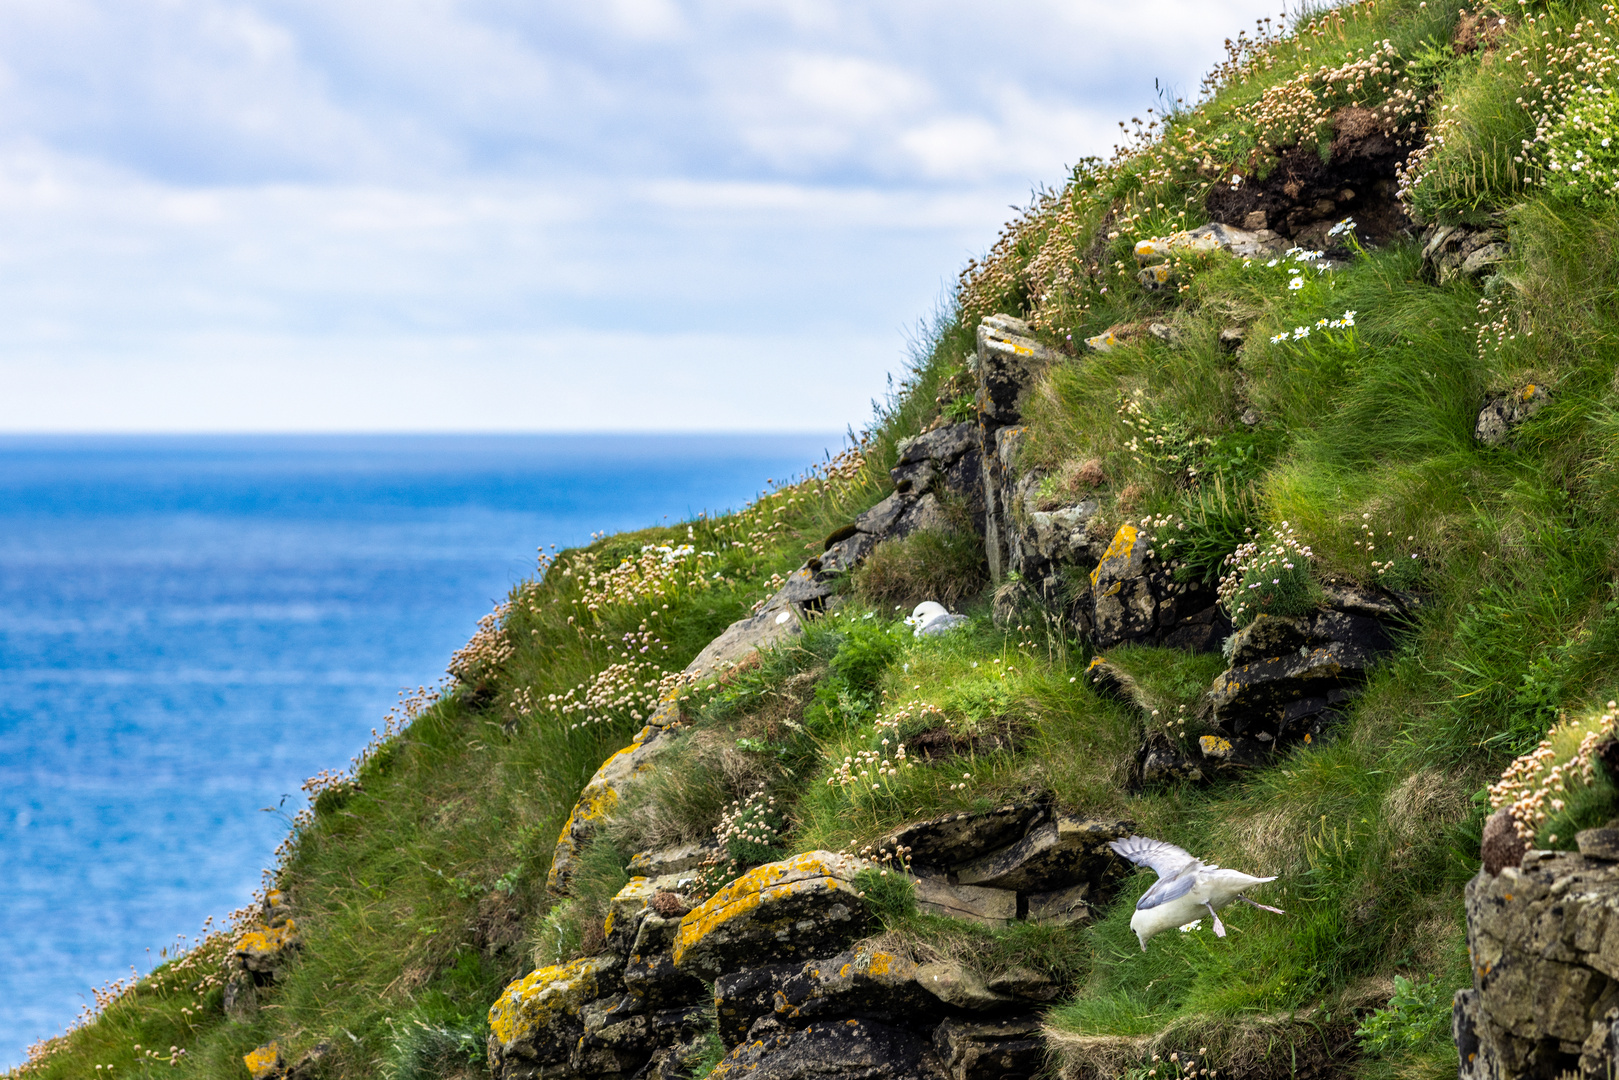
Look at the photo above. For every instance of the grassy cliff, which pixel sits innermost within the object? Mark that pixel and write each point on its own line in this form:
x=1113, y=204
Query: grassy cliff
x=1346, y=414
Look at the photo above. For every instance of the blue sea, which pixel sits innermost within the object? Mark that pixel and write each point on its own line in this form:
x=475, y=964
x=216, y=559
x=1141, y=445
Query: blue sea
x=190, y=626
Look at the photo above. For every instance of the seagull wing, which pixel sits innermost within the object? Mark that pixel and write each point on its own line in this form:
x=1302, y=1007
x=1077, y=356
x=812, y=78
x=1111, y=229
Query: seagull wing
x=1167, y=890
x=1165, y=859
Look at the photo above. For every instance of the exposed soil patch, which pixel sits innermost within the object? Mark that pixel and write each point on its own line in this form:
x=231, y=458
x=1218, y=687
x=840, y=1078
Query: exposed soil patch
x=1303, y=197
x=940, y=742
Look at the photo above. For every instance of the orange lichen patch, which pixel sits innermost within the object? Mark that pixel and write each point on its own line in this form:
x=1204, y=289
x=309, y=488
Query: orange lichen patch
x=1123, y=541
x=538, y=998
x=267, y=940
x=264, y=1062
x=1213, y=744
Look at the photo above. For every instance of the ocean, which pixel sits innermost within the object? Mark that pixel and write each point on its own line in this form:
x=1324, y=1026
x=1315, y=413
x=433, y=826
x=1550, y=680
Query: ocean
x=190, y=626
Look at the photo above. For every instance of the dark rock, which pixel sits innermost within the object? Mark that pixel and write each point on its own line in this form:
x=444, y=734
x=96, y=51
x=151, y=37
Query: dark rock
x=744, y=996
x=1160, y=761
x=614, y=1039
x=1384, y=604
x=1009, y=361
x=1062, y=907
x=1052, y=855
x=1025, y=984
x=311, y=1064
x=871, y=984
x=958, y=986
x=1003, y=1049
x=1135, y=598
x=241, y=998
x=1222, y=754
x=1233, y=337
x=831, y=1050
x=958, y=838
x=1270, y=636
x=1599, y=844
x=1607, y=752
x=538, y=1020
x=1252, y=698
x=649, y=971
x=988, y=907
x=1503, y=412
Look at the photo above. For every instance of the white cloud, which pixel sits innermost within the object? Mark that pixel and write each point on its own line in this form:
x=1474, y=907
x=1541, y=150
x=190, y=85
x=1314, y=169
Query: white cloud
x=361, y=198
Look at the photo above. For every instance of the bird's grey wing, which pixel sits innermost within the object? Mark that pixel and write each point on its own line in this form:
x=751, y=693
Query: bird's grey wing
x=1166, y=890
x=1167, y=860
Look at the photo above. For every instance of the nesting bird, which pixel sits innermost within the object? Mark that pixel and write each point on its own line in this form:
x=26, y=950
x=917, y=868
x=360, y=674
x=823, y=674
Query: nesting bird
x=931, y=618
x=1185, y=889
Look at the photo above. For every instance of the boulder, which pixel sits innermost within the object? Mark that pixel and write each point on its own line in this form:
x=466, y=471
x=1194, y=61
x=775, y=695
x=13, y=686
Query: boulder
x=1543, y=938
x=873, y=984
x=804, y=906
x=974, y=903
x=616, y=1037
x=1134, y=598
x=536, y=1020
x=650, y=974
x=1242, y=243
x=1004, y=1049
x=264, y=949
x=1270, y=636
x=944, y=461
x=1161, y=760
x=672, y=860
x=1279, y=695
x=1221, y=754
x=960, y=987
x=1063, y=907
x=961, y=837
x=742, y=997
x=1461, y=252
x=1055, y=854
x=601, y=797
x=265, y=1062
x=1505, y=411
x=831, y=1050
x=1009, y=361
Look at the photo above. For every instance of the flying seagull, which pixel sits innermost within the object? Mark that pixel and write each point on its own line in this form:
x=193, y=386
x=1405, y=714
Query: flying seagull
x=1185, y=888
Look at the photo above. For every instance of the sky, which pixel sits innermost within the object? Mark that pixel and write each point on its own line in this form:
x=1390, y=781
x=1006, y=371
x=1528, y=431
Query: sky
x=519, y=215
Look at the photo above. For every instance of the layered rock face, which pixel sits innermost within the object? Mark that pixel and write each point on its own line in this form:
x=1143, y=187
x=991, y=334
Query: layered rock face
x=1543, y=938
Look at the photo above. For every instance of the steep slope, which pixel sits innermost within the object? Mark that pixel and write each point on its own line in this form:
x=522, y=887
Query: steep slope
x=1273, y=463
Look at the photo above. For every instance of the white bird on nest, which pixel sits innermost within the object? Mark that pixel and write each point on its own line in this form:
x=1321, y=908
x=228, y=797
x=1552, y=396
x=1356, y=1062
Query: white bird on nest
x=1185, y=888
x=931, y=618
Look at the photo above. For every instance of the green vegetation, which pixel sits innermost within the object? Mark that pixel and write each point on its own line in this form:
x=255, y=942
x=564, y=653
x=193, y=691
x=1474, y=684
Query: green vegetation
x=1345, y=422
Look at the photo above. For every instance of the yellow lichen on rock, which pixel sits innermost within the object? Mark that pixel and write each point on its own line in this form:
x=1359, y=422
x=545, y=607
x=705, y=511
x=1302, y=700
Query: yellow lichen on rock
x=263, y=1062
x=538, y=998
x=1124, y=541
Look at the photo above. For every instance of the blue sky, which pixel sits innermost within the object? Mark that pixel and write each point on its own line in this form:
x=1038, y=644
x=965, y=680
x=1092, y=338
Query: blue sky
x=294, y=215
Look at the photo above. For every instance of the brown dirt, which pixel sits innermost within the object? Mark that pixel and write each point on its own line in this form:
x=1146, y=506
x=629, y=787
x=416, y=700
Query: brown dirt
x=1303, y=196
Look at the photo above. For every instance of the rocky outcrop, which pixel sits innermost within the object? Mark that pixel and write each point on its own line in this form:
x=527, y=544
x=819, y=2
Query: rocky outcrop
x=1452, y=252
x=849, y=1049
x=605, y=790
x=1009, y=360
x=1505, y=411
x=539, y=1020
x=1156, y=255
x=1543, y=938
x=259, y=954
x=1135, y=598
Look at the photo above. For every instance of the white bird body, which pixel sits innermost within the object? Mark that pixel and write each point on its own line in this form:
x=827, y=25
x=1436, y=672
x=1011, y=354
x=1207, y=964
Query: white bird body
x=1186, y=888
x=931, y=617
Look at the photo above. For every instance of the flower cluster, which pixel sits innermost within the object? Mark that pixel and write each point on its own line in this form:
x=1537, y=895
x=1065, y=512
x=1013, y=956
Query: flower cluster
x=1182, y=1066
x=631, y=686
x=1579, y=149
x=658, y=572
x=1165, y=444
x=1268, y=576
x=1301, y=332
x=909, y=714
x=1535, y=787
x=490, y=647
x=870, y=769
x=750, y=832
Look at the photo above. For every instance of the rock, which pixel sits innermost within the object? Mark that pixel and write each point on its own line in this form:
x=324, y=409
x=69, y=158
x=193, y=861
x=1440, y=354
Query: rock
x=1025, y=984
x=650, y=974
x=311, y=1064
x=264, y=949
x=1461, y=252
x=997, y=463
x=773, y=624
x=241, y=997
x=1061, y=907
x=1211, y=237
x=1154, y=278
x=1501, y=846
x=1165, y=333
x=1503, y=412
x=264, y=1063
x=1009, y=1048
x=960, y=987
x=1544, y=942
x=1161, y=761
x=1221, y=753
x=988, y=907
x=830, y=1050
x=1232, y=338
x=601, y=797
x=1383, y=604
x=1601, y=845
x=953, y=839
x=1264, y=698
x=1052, y=855
x=943, y=459
x=672, y=860
x=742, y=997
x=870, y=984
x=780, y=911
x=1270, y=636
x=1009, y=361
x=1134, y=598
x=616, y=1037
x=536, y=1020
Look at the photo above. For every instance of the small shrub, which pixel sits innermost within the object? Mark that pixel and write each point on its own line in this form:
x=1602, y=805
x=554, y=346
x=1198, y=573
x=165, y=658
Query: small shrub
x=1418, y=1013
x=946, y=565
x=1269, y=577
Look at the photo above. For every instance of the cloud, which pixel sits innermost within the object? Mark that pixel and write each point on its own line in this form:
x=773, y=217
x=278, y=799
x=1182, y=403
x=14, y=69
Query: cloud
x=448, y=186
